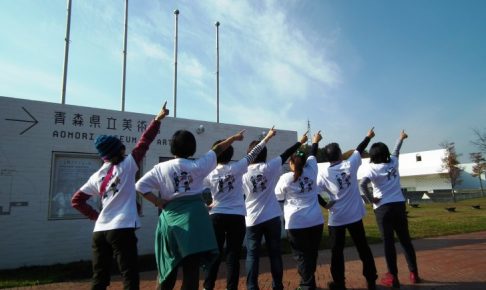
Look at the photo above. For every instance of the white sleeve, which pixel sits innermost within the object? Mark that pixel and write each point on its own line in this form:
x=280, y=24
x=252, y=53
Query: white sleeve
x=355, y=160
x=148, y=182
x=321, y=184
x=275, y=165
x=207, y=162
x=240, y=167
x=90, y=187
x=280, y=188
x=312, y=164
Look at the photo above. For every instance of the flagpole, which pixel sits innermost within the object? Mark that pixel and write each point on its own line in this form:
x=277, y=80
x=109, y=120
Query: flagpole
x=176, y=13
x=124, y=72
x=66, y=53
x=217, y=71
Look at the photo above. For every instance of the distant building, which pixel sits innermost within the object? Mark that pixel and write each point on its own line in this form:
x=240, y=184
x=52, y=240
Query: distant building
x=422, y=172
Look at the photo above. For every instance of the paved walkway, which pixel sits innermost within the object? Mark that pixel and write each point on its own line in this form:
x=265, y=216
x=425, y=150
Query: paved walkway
x=451, y=262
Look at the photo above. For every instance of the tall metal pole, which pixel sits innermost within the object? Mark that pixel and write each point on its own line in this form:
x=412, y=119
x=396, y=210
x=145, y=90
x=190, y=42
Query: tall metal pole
x=176, y=13
x=124, y=72
x=217, y=72
x=66, y=53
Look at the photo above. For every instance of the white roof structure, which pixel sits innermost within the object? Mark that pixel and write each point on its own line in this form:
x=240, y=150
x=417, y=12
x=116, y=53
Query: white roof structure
x=413, y=164
x=419, y=163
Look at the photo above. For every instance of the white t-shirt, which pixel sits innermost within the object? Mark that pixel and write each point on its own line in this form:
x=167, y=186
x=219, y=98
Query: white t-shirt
x=119, y=203
x=259, y=188
x=301, y=207
x=385, y=180
x=178, y=177
x=225, y=183
x=341, y=182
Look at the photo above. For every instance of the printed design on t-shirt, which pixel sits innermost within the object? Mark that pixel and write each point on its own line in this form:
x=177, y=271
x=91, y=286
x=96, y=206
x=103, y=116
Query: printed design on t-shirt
x=113, y=187
x=343, y=180
x=182, y=181
x=226, y=183
x=391, y=172
x=305, y=184
x=259, y=182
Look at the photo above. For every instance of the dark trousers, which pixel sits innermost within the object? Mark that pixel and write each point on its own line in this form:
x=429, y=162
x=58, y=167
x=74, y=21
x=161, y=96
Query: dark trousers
x=190, y=275
x=121, y=244
x=271, y=231
x=305, y=246
x=337, y=236
x=230, y=228
x=392, y=218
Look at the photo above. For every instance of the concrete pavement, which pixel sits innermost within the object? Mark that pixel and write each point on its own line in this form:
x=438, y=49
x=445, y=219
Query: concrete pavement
x=445, y=263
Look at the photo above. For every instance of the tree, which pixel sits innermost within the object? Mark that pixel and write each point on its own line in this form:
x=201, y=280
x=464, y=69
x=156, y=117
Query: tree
x=451, y=165
x=480, y=141
x=479, y=167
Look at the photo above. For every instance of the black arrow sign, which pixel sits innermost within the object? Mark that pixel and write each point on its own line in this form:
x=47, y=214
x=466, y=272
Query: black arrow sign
x=34, y=121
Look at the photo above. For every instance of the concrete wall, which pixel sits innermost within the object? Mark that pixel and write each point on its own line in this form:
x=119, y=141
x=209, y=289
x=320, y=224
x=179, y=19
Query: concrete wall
x=38, y=225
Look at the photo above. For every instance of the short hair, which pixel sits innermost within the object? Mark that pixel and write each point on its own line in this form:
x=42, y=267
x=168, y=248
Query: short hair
x=333, y=152
x=379, y=153
x=262, y=156
x=225, y=156
x=183, y=144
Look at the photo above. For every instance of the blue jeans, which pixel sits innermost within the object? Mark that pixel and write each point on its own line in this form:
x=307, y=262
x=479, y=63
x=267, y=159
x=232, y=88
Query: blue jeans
x=271, y=230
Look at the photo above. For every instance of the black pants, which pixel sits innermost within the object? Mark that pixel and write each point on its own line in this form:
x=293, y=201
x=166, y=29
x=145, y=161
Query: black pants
x=190, y=275
x=305, y=246
x=230, y=228
x=121, y=244
x=392, y=218
x=337, y=236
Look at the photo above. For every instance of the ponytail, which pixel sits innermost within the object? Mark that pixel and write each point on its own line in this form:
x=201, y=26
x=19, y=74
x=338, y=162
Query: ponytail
x=298, y=159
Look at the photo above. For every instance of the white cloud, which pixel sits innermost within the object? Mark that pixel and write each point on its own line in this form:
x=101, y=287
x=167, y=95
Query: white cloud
x=275, y=53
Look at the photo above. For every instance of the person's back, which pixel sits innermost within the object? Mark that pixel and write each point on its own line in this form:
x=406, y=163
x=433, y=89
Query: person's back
x=385, y=179
x=183, y=177
x=184, y=235
x=301, y=208
x=258, y=186
x=115, y=224
x=341, y=182
x=227, y=189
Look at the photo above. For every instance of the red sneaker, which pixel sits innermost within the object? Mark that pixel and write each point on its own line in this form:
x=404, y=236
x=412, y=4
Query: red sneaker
x=390, y=280
x=414, y=277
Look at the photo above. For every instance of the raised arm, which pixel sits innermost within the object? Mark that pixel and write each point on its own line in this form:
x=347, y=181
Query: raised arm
x=362, y=146
x=250, y=157
x=148, y=135
x=284, y=156
x=398, y=145
x=221, y=146
x=315, y=143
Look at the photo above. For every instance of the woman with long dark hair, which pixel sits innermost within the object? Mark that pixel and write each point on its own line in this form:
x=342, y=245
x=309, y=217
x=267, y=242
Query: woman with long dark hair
x=389, y=206
x=303, y=217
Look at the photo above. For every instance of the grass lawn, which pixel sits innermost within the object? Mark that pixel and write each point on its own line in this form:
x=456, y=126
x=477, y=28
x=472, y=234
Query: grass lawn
x=427, y=220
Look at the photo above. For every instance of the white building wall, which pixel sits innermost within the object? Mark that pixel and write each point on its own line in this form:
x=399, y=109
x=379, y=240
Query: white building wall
x=424, y=183
x=31, y=235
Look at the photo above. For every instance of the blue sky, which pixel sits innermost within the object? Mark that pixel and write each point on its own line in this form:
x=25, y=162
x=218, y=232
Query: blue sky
x=343, y=65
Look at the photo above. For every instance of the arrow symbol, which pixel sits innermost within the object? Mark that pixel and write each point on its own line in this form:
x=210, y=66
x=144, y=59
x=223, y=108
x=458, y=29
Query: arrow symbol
x=34, y=121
